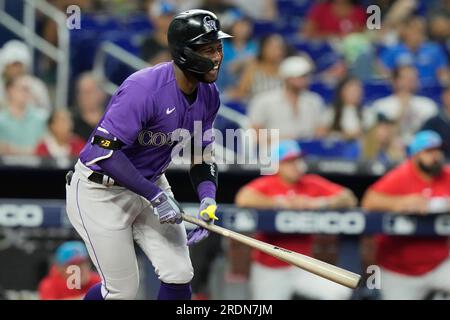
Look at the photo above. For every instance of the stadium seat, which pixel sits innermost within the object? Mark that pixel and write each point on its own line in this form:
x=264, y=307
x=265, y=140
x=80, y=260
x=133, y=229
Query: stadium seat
x=331, y=148
x=83, y=46
x=322, y=52
x=100, y=23
x=289, y=27
x=375, y=90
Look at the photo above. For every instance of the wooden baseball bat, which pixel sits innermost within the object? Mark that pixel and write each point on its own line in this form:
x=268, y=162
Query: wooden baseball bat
x=320, y=268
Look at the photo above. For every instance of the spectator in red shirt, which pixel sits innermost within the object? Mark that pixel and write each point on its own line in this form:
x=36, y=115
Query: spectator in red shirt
x=61, y=282
x=291, y=189
x=413, y=266
x=60, y=142
x=335, y=18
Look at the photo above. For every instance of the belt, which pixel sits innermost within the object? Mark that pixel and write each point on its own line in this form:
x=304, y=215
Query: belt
x=95, y=177
x=102, y=179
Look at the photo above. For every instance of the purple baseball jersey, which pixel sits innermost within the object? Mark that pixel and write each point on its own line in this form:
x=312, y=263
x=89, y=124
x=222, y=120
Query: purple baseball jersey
x=144, y=113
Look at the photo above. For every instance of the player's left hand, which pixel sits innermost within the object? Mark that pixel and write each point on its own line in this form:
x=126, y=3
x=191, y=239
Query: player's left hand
x=207, y=212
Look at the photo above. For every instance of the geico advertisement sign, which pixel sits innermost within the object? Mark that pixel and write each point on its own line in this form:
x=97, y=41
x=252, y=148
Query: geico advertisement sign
x=21, y=215
x=317, y=222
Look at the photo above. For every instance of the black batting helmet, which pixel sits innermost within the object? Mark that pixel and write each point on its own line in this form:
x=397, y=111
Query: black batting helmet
x=189, y=29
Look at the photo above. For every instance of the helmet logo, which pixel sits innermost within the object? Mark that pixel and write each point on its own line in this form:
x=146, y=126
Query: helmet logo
x=209, y=24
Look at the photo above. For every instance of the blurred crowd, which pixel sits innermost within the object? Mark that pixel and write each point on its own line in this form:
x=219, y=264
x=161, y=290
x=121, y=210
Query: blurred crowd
x=29, y=124
x=314, y=70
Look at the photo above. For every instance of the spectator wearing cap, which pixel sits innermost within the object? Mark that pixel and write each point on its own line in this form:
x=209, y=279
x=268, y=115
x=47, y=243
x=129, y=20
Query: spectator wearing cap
x=61, y=282
x=155, y=48
x=404, y=106
x=441, y=122
x=292, y=109
x=291, y=189
x=427, y=57
x=15, y=60
x=413, y=266
x=238, y=51
x=21, y=125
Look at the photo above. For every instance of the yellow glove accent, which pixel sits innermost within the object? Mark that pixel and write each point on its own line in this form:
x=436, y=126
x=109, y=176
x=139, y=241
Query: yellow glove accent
x=209, y=212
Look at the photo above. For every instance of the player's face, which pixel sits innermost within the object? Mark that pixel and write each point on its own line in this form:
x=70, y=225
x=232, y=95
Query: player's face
x=214, y=52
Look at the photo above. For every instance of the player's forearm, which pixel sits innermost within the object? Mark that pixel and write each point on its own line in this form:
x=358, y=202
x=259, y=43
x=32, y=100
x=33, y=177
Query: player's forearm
x=120, y=168
x=204, y=178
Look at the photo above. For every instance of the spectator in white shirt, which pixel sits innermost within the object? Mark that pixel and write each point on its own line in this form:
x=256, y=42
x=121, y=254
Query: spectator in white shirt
x=294, y=110
x=407, y=109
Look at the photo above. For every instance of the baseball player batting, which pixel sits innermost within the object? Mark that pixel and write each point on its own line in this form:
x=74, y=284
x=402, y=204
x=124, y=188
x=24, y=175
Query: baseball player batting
x=118, y=192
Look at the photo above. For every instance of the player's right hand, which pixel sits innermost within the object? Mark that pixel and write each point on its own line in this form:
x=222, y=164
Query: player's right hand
x=167, y=208
x=207, y=212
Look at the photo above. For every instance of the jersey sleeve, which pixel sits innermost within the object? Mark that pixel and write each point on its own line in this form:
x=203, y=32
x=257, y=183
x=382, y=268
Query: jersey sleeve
x=210, y=116
x=129, y=109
